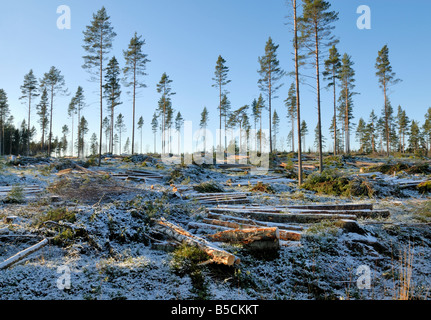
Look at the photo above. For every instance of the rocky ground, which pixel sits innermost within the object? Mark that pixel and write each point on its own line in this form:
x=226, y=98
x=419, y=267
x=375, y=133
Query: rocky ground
x=99, y=222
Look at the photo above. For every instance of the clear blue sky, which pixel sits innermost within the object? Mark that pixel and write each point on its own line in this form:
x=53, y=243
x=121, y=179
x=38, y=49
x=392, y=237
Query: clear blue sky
x=184, y=39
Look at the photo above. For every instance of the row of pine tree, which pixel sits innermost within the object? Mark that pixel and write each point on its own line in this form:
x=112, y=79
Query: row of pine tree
x=314, y=45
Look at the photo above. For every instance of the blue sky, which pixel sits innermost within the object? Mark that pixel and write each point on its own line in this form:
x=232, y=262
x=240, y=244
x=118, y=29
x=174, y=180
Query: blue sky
x=184, y=39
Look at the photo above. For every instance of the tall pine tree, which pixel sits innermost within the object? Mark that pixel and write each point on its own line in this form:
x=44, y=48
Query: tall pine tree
x=316, y=25
x=136, y=64
x=270, y=74
x=98, y=37
x=386, y=78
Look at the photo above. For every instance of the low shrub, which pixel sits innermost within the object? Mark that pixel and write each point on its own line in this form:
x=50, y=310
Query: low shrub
x=331, y=182
x=209, y=187
x=262, y=187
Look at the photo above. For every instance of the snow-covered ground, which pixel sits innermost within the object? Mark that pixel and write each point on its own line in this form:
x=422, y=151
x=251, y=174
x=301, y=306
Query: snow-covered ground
x=115, y=259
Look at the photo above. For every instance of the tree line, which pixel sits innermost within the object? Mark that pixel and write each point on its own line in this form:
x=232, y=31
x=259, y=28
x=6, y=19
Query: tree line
x=314, y=45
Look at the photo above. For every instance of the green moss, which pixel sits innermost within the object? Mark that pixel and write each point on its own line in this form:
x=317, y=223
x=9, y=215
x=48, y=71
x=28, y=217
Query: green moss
x=209, y=187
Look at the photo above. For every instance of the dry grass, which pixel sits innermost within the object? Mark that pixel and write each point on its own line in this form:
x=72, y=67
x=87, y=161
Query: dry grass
x=87, y=188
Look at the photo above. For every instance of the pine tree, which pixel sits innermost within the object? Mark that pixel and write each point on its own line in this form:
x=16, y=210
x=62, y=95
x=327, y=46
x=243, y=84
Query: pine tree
x=316, y=27
x=303, y=133
x=298, y=61
x=98, y=38
x=426, y=128
x=93, y=144
x=29, y=90
x=270, y=73
x=53, y=82
x=372, y=130
x=361, y=134
x=225, y=113
x=220, y=80
x=386, y=78
x=112, y=93
x=203, y=124
x=71, y=111
x=136, y=64
x=402, y=124
x=4, y=112
x=140, y=127
x=106, y=125
x=414, y=137
x=83, y=130
x=238, y=118
x=64, y=142
x=347, y=80
x=290, y=103
x=127, y=146
x=42, y=112
x=331, y=74
x=154, y=126
x=121, y=127
x=275, y=126
x=179, y=122
x=164, y=87
x=76, y=105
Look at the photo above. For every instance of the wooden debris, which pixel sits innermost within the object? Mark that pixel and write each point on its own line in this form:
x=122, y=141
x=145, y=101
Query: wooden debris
x=225, y=197
x=22, y=254
x=268, y=238
x=217, y=254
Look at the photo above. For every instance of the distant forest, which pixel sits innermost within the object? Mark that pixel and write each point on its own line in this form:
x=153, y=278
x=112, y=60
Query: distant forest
x=386, y=131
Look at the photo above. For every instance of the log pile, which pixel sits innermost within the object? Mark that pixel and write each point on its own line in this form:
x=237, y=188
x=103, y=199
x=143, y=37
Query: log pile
x=239, y=223
x=220, y=198
x=30, y=190
x=177, y=233
x=140, y=176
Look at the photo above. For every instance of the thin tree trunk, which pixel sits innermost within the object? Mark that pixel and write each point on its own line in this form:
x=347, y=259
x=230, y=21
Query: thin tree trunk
x=335, y=115
x=298, y=102
x=101, y=98
x=50, y=122
x=386, y=120
x=134, y=101
x=29, y=114
x=319, y=120
x=346, y=120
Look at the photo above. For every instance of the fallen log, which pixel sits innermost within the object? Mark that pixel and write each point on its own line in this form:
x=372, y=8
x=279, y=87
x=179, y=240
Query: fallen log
x=22, y=254
x=337, y=207
x=217, y=255
x=267, y=238
x=282, y=226
x=283, y=234
x=296, y=218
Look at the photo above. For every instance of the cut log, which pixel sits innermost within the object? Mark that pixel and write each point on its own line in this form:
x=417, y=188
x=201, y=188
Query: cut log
x=296, y=218
x=22, y=254
x=337, y=207
x=268, y=238
x=217, y=254
x=255, y=223
x=284, y=234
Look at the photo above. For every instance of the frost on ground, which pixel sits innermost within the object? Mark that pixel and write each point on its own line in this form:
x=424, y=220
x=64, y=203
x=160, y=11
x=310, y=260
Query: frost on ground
x=100, y=231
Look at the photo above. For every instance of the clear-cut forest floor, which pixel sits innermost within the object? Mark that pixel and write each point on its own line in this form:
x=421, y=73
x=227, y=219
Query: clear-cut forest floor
x=105, y=225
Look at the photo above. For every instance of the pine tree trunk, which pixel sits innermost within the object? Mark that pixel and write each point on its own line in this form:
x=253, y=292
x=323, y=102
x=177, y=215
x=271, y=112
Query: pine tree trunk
x=50, y=122
x=101, y=98
x=319, y=118
x=134, y=101
x=298, y=104
x=335, y=115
